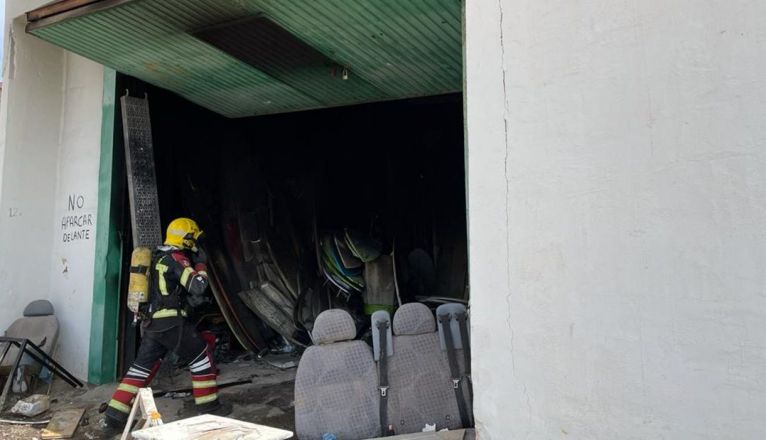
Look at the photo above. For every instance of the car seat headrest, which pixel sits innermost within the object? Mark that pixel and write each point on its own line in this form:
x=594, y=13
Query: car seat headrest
x=40, y=307
x=333, y=325
x=414, y=319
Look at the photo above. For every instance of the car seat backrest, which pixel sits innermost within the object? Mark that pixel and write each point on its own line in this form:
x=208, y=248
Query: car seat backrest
x=39, y=325
x=336, y=383
x=419, y=376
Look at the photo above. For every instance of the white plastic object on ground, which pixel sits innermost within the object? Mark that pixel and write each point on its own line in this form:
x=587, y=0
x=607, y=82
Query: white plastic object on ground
x=32, y=405
x=429, y=428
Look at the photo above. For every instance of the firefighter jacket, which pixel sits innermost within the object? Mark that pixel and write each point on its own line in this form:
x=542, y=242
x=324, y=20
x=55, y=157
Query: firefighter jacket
x=175, y=274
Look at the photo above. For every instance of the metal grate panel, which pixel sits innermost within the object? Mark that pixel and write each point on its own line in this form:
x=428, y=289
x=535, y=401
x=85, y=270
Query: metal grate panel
x=142, y=179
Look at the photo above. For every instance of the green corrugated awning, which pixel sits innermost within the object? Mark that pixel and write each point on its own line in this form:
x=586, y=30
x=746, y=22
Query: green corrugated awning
x=306, y=54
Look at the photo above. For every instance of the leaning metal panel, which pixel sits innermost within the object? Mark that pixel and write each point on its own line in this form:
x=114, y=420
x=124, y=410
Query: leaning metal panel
x=142, y=180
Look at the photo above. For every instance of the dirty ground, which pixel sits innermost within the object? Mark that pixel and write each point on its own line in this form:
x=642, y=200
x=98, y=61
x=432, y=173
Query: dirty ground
x=259, y=393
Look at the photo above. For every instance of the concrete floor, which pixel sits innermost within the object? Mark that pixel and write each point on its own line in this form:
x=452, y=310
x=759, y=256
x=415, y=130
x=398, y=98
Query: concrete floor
x=266, y=398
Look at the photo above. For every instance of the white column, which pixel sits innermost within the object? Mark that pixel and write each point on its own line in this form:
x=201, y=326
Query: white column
x=617, y=205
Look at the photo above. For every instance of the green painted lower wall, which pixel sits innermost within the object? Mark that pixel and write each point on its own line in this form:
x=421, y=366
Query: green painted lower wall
x=102, y=360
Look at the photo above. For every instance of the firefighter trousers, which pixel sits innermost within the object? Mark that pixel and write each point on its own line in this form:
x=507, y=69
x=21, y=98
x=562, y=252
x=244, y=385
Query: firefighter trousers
x=159, y=339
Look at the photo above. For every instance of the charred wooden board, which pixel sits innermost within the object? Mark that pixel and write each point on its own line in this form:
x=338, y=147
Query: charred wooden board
x=63, y=424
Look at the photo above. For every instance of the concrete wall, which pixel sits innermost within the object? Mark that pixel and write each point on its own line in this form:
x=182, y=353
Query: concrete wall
x=50, y=122
x=617, y=199
x=75, y=206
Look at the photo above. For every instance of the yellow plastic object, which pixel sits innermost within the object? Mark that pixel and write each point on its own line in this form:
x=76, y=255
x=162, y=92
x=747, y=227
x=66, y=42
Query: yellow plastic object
x=183, y=232
x=138, y=284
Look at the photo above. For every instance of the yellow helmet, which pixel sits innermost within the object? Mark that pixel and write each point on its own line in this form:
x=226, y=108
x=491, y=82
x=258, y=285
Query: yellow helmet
x=183, y=232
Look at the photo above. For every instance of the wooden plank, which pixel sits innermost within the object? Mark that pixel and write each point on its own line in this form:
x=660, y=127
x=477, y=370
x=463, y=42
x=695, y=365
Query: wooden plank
x=144, y=402
x=129, y=422
x=66, y=14
x=149, y=411
x=210, y=427
x=63, y=424
x=457, y=434
x=452, y=435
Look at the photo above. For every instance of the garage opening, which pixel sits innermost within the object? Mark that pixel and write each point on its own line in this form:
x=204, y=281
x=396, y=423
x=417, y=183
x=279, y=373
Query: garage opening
x=275, y=194
x=272, y=191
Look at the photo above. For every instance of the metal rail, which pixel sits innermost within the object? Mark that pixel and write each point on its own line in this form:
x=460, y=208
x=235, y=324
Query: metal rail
x=26, y=346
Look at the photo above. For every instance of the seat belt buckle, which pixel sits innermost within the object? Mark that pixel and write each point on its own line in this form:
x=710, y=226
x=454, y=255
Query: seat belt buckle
x=456, y=383
x=383, y=391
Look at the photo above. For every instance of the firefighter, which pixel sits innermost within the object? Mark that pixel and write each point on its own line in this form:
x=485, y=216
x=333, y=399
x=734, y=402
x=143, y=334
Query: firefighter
x=178, y=277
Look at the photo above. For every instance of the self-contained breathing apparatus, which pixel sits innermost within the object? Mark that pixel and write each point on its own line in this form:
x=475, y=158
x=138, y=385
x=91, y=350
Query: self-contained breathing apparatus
x=145, y=299
x=149, y=298
x=139, y=283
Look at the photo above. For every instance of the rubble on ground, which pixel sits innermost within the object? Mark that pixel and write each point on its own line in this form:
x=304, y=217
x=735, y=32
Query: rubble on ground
x=259, y=393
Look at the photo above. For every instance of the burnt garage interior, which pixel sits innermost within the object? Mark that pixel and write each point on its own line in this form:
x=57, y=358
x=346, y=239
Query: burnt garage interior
x=268, y=190
x=318, y=144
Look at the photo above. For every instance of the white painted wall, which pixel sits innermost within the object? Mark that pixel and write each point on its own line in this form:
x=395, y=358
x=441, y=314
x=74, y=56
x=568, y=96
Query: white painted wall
x=29, y=120
x=617, y=200
x=50, y=122
x=74, y=241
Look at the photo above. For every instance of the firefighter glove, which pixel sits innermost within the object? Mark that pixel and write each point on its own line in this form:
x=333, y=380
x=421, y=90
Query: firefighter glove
x=199, y=257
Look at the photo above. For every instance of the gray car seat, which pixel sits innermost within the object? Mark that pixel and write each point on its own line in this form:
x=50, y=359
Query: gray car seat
x=420, y=390
x=40, y=326
x=336, y=383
